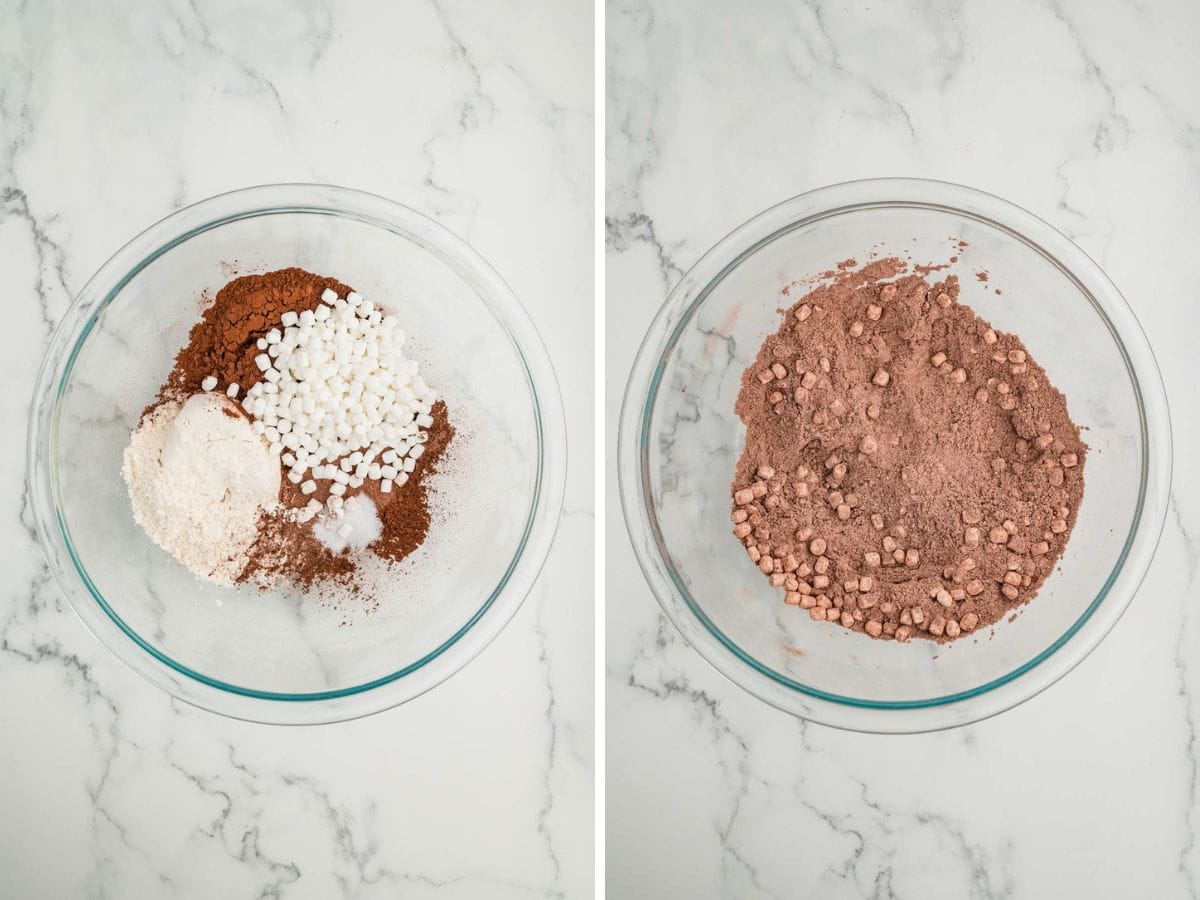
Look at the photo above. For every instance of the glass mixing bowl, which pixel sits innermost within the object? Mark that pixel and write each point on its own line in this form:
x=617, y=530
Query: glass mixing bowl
x=680, y=439
x=280, y=657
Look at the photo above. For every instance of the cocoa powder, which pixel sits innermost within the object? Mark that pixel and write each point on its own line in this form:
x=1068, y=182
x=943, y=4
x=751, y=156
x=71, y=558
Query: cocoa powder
x=222, y=344
x=244, y=310
x=908, y=470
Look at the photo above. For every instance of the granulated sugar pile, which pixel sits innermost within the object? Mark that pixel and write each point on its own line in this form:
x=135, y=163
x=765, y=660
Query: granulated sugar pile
x=908, y=470
x=292, y=434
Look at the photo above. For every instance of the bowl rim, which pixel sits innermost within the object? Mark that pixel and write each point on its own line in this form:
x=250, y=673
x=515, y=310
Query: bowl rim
x=379, y=693
x=904, y=716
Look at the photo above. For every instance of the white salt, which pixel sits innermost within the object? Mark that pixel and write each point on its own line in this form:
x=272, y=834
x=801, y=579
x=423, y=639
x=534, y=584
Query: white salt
x=361, y=519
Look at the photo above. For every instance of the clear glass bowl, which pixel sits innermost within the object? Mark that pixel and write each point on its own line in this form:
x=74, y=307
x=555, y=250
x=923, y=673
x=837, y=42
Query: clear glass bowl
x=279, y=657
x=680, y=439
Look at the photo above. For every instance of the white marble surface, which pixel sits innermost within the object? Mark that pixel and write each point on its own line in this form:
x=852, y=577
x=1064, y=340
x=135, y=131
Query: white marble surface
x=1084, y=113
x=478, y=115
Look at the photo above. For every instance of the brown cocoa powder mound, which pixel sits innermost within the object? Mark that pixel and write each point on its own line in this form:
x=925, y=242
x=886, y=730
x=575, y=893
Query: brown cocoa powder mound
x=908, y=471
x=223, y=344
x=404, y=511
x=291, y=549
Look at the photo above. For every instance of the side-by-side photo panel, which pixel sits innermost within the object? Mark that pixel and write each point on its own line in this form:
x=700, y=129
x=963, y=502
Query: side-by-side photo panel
x=892, y=324
x=298, y=481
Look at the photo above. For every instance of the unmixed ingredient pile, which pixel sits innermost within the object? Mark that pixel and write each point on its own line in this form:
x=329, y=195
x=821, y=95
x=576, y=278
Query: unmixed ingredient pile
x=291, y=434
x=908, y=470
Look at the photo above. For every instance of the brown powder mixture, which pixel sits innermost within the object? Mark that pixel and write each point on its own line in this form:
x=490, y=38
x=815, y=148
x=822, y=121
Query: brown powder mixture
x=908, y=470
x=222, y=343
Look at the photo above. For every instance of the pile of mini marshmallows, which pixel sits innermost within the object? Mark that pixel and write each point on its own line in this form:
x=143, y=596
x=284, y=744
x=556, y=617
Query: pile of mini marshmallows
x=338, y=401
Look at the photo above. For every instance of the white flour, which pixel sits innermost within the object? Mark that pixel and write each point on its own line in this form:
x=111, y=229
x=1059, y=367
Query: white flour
x=198, y=480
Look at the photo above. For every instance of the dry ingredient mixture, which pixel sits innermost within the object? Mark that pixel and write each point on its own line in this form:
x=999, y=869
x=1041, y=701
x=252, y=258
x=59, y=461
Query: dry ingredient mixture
x=291, y=435
x=908, y=470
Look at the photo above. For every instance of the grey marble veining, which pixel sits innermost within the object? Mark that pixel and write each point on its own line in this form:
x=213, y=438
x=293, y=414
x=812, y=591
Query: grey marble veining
x=1081, y=113
x=110, y=118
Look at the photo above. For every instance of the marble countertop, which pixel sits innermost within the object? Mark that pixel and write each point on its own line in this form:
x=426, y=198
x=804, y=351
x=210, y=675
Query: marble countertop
x=109, y=121
x=1084, y=114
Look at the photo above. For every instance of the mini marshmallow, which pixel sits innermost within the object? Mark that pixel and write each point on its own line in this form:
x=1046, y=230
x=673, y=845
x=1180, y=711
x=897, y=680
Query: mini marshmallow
x=308, y=487
x=208, y=383
x=336, y=386
x=385, y=485
x=232, y=391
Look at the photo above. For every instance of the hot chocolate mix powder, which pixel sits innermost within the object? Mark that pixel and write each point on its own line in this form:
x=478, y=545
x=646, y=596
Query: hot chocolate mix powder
x=908, y=470
x=222, y=344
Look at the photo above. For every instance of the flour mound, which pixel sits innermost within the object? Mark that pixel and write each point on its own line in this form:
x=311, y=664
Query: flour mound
x=199, y=478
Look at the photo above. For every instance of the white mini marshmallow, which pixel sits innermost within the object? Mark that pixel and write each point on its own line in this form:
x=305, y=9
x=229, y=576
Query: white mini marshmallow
x=337, y=387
